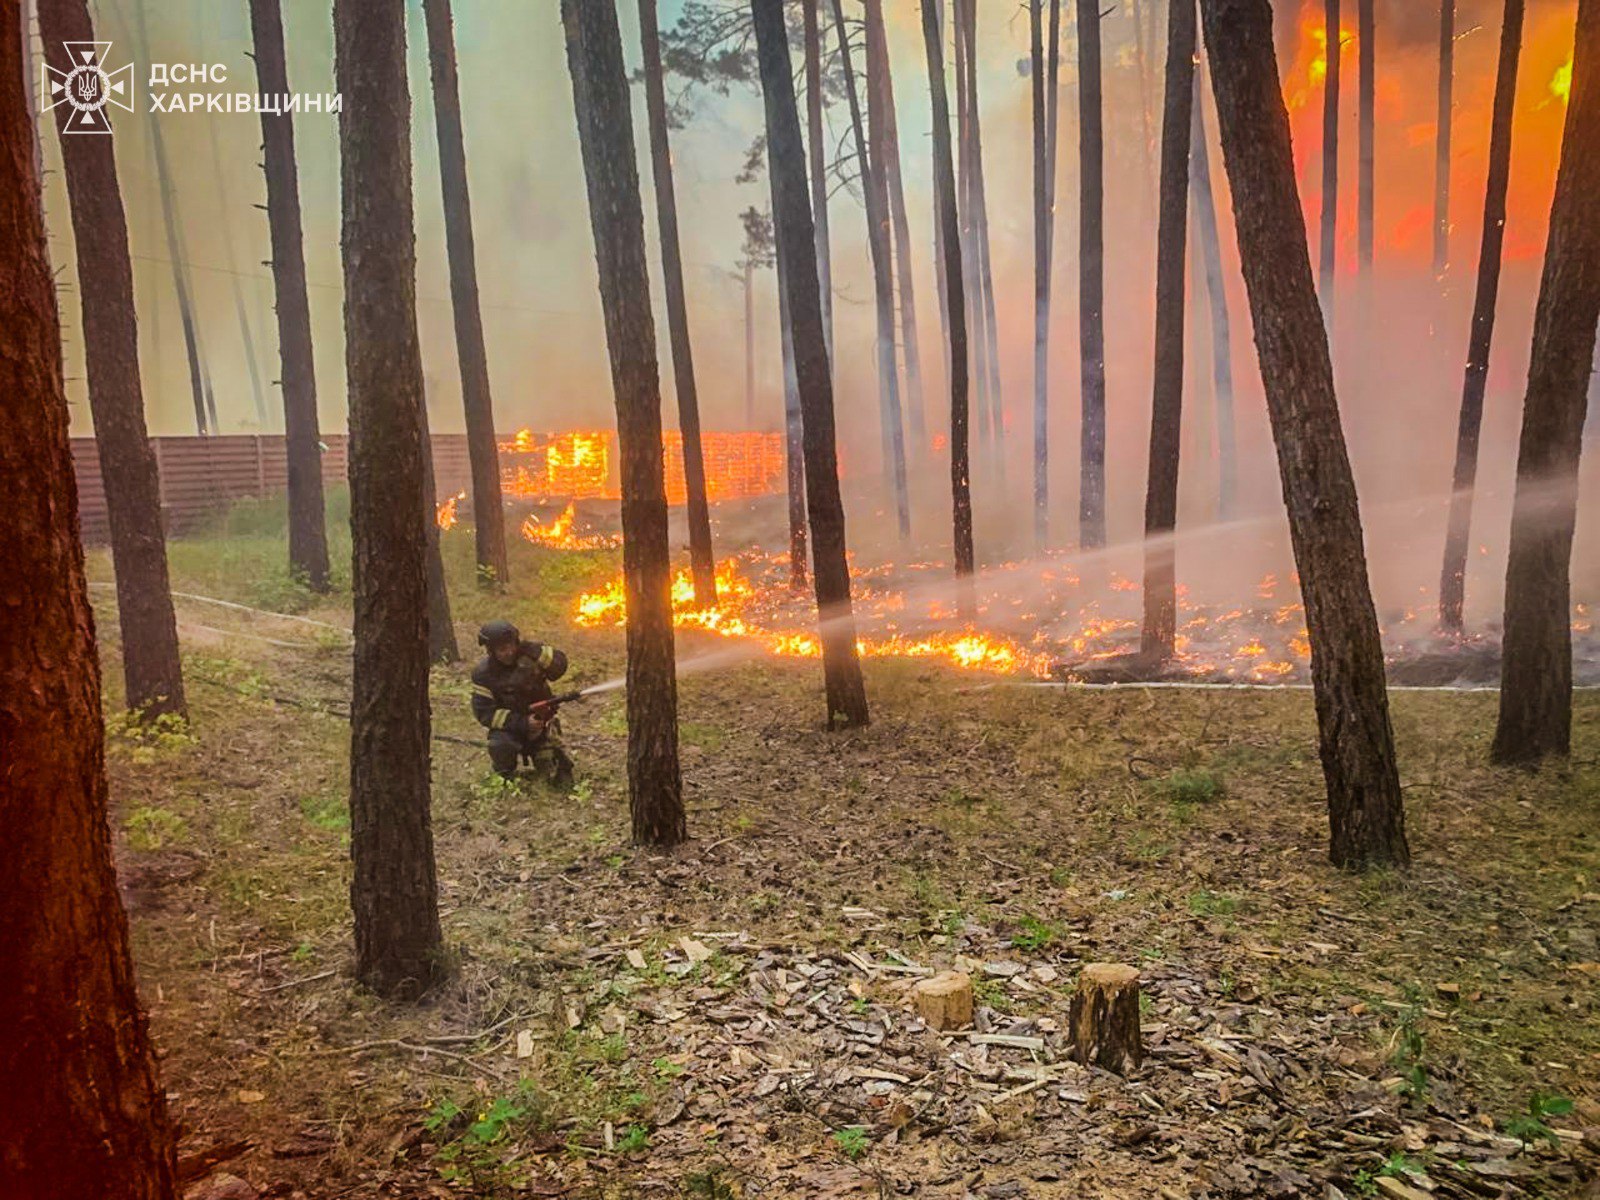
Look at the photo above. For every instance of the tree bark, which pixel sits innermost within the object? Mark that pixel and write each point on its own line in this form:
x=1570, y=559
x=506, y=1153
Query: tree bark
x=984, y=280
x=966, y=210
x=872, y=186
x=1328, y=268
x=1446, y=116
x=1367, y=86
x=794, y=441
x=393, y=890
x=1357, y=743
x=1205, y=221
x=944, y=190
x=82, y=1112
x=442, y=647
x=151, y=664
x=1536, y=672
x=1104, y=1017
x=1091, y=284
x=1166, y=411
x=880, y=80
x=702, y=565
x=488, y=509
x=1453, y=576
x=1044, y=169
x=616, y=214
x=845, y=688
x=818, y=153
x=308, y=536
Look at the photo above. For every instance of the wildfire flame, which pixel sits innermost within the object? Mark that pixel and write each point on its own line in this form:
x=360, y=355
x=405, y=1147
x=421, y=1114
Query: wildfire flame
x=558, y=533
x=1561, y=82
x=579, y=465
x=445, y=517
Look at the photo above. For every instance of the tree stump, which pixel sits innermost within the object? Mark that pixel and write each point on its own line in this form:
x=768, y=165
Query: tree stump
x=945, y=1001
x=1105, y=1017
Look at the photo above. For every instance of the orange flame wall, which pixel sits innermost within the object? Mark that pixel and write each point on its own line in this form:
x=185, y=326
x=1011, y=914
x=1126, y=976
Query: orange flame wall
x=582, y=465
x=1407, y=125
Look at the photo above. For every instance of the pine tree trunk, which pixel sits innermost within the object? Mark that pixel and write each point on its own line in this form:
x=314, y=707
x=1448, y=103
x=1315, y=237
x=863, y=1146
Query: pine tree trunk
x=966, y=211
x=1042, y=219
x=1166, y=412
x=152, y=667
x=1146, y=119
x=393, y=890
x=82, y=1112
x=749, y=345
x=1536, y=672
x=488, y=508
x=1367, y=84
x=1357, y=743
x=1328, y=267
x=872, y=186
x=442, y=647
x=1453, y=576
x=247, y=339
x=845, y=688
x=1205, y=221
x=817, y=150
x=794, y=443
x=702, y=565
x=1446, y=116
x=944, y=189
x=204, y=407
x=1091, y=284
x=616, y=214
x=980, y=227
x=879, y=73
x=308, y=536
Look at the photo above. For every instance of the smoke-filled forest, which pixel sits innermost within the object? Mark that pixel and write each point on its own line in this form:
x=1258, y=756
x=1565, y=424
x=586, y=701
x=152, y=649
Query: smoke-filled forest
x=818, y=598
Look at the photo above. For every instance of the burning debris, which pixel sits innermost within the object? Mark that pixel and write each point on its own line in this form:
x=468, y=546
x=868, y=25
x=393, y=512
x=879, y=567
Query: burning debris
x=447, y=515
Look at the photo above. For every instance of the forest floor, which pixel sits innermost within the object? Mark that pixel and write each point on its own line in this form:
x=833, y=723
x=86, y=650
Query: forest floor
x=733, y=1019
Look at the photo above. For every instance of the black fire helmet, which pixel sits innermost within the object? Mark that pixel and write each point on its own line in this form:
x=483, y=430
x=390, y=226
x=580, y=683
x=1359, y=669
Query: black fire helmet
x=496, y=633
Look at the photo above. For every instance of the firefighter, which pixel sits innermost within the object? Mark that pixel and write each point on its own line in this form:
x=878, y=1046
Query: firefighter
x=508, y=686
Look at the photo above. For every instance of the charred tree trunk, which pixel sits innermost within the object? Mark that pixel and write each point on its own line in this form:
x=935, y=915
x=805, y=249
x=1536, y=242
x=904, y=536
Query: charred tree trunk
x=1453, y=577
x=152, y=667
x=1328, y=268
x=702, y=565
x=980, y=226
x=1166, y=411
x=872, y=187
x=488, y=509
x=82, y=1112
x=846, y=690
x=818, y=152
x=1357, y=743
x=393, y=891
x=1536, y=672
x=880, y=81
x=944, y=190
x=1091, y=284
x=616, y=214
x=1441, y=166
x=1366, y=116
x=1205, y=221
x=308, y=536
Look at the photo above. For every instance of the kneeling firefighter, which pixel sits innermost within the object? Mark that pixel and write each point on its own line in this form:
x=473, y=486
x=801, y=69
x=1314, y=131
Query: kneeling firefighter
x=512, y=699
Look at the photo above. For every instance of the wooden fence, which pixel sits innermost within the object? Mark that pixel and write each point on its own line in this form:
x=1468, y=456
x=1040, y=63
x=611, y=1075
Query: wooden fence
x=201, y=476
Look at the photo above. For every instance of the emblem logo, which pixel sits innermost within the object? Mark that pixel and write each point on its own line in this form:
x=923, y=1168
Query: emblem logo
x=88, y=87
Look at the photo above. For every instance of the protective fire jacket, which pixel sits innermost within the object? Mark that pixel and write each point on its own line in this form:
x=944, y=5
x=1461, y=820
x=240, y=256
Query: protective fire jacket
x=501, y=694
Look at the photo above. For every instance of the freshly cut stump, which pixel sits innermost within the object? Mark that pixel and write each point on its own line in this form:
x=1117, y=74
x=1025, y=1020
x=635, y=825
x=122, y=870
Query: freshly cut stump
x=945, y=1001
x=1105, y=1017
